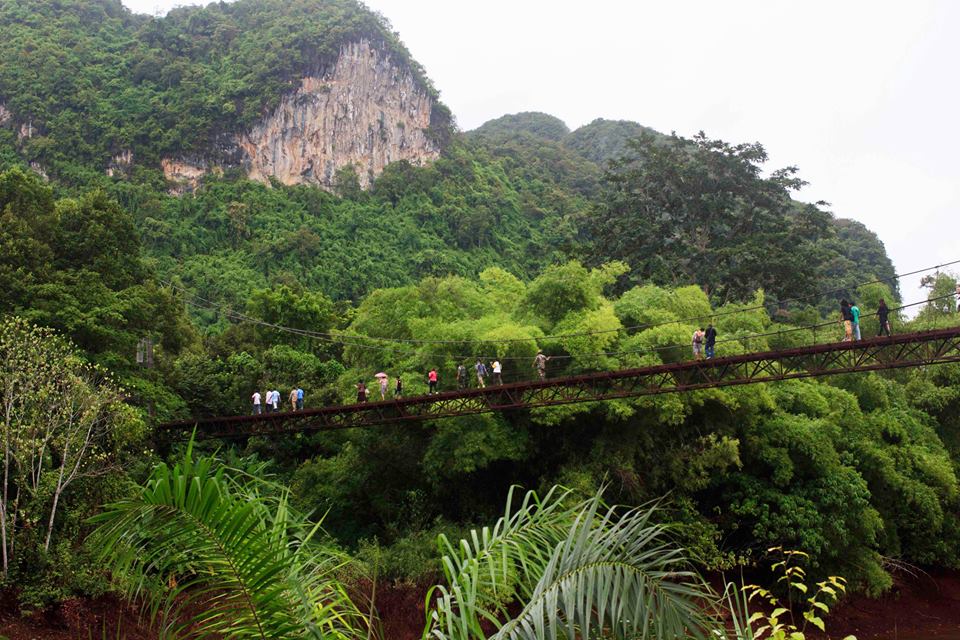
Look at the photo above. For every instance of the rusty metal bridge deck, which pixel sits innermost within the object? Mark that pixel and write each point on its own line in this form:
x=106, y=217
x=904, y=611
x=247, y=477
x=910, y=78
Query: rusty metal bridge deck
x=899, y=351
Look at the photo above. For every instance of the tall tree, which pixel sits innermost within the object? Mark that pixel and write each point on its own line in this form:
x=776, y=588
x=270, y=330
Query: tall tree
x=700, y=210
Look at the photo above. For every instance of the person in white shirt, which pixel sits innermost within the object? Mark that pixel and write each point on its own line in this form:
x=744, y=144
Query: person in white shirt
x=257, y=407
x=275, y=401
x=497, y=369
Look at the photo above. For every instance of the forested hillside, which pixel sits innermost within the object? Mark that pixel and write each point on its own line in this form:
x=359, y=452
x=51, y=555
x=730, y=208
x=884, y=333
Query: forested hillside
x=605, y=247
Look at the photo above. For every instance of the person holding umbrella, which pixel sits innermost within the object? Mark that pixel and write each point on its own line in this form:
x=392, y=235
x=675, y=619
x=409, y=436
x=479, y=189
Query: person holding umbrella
x=384, y=380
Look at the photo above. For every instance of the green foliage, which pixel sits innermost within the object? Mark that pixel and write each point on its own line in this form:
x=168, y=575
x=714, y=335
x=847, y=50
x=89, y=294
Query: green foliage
x=577, y=570
x=75, y=265
x=538, y=124
x=604, y=140
x=775, y=620
x=799, y=463
x=195, y=537
x=461, y=215
x=560, y=290
x=113, y=81
x=512, y=235
x=67, y=438
x=699, y=211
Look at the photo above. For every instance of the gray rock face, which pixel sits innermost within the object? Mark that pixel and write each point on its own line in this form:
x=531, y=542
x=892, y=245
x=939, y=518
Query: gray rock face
x=365, y=111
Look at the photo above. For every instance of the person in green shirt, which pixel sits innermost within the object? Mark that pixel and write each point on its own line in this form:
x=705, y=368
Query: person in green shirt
x=855, y=312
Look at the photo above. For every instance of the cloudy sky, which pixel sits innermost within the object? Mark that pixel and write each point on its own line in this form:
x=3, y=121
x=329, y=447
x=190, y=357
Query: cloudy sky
x=861, y=95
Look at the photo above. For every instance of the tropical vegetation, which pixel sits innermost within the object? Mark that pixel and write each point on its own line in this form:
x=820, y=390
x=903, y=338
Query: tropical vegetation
x=124, y=306
x=201, y=535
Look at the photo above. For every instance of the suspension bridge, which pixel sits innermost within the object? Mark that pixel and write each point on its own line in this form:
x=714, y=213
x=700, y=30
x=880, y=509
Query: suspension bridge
x=915, y=349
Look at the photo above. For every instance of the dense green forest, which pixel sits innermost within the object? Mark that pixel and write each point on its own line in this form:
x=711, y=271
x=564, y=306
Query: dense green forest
x=605, y=247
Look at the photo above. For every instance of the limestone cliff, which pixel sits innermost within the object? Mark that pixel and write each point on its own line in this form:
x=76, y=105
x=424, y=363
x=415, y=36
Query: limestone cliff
x=364, y=111
x=183, y=175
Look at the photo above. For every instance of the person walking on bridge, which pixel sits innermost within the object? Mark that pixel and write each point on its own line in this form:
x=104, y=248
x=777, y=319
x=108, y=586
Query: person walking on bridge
x=274, y=401
x=384, y=381
x=883, y=314
x=481, y=373
x=398, y=390
x=497, y=369
x=432, y=381
x=855, y=314
x=540, y=364
x=293, y=399
x=461, y=376
x=846, y=320
x=697, y=343
x=710, y=341
x=257, y=407
x=958, y=297
x=361, y=392
x=299, y=399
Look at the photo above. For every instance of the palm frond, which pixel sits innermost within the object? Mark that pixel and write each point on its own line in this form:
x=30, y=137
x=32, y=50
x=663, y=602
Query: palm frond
x=579, y=571
x=497, y=565
x=192, y=540
x=615, y=576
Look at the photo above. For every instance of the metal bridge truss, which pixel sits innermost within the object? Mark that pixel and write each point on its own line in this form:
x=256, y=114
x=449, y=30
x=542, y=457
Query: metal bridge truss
x=899, y=351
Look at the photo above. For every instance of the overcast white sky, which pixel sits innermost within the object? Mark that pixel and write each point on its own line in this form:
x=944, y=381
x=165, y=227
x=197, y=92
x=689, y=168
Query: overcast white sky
x=863, y=96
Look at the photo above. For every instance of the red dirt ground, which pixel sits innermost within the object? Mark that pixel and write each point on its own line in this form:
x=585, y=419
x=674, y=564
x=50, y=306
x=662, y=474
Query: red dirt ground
x=924, y=607
x=920, y=607
x=74, y=619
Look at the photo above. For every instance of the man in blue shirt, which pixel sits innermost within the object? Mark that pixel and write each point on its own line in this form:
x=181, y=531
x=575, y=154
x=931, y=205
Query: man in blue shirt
x=299, y=399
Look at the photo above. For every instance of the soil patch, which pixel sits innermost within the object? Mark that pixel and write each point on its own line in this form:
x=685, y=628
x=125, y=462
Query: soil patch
x=74, y=619
x=925, y=606
x=919, y=607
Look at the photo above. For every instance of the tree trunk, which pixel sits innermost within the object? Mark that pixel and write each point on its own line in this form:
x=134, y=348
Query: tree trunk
x=53, y=514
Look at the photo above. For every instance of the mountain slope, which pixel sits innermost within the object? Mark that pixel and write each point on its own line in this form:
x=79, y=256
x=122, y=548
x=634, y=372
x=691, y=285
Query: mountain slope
x=93, y=86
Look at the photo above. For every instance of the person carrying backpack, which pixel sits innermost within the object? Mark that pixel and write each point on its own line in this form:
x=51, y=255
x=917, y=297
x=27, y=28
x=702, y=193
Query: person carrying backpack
x=698, y=344
x=540, y=364
x=481, y=373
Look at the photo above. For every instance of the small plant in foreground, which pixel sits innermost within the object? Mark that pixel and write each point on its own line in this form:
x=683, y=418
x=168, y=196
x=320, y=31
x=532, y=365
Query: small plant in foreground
x=780, y=623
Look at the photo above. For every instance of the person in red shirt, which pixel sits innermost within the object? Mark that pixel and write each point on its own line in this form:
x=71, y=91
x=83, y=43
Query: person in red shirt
x=432, y=381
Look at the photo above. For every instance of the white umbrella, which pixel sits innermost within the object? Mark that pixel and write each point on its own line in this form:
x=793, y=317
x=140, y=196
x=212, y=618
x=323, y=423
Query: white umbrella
x=380, y=375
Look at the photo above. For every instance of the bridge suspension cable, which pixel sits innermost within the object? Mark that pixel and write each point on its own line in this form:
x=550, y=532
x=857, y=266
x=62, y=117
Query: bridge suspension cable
x=517, y=376
x=917, y=349
x=355, y=340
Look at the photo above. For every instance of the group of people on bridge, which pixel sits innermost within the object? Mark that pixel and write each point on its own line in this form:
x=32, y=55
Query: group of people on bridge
x=485, y=372
x=491, y=372
x=271, y=399
x=850, y=320
x=704, y=343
